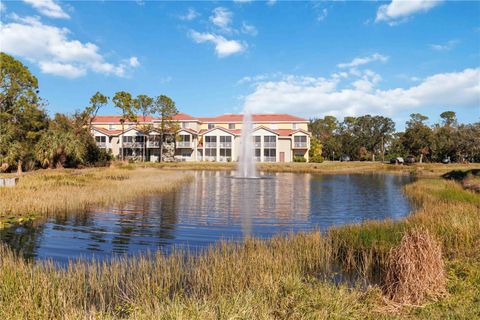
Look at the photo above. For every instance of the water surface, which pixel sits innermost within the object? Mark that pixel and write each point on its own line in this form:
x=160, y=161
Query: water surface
x=214, y=207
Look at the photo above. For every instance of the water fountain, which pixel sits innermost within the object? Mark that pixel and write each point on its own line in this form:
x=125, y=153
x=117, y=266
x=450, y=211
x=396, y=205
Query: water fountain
x=246, y=165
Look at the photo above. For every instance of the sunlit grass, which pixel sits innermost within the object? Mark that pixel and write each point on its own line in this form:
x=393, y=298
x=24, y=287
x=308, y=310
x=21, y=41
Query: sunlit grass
x=286, y=277
x=46, y=192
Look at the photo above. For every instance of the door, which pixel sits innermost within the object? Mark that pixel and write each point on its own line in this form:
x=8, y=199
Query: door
x=282, y=156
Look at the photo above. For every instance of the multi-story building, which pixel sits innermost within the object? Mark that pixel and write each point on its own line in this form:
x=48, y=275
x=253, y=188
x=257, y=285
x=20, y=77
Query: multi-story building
x=277, y=137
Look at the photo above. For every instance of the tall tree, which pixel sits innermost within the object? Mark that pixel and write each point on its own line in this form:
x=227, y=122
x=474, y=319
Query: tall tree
x=327, y=131
x=97, y=101
x=444, y=134
x=417, y=139
x=22, y=116
x=145, y=106
x=123, y=101
x=165, y=107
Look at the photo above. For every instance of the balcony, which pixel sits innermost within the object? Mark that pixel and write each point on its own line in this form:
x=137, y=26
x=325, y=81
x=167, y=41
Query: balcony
x=269, y=159
x=225, y=144
x=153, y=144
x=210, y=144
x=300, y=145
x=258, y=145
x=101, y=145
x=184, y=144
x=133, y=144
x=258, y=159
x=270, y=144
x=225, y=159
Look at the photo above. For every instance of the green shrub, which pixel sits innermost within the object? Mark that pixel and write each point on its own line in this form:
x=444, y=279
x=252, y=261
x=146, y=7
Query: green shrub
x=299, y=159
x=316, y=159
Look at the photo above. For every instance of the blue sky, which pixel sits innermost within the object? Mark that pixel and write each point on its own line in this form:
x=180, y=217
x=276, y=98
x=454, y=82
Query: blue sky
x=306, y=58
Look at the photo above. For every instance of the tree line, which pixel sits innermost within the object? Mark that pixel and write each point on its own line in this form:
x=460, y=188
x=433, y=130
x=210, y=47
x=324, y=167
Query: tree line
x=374, y=137
x=29, y=138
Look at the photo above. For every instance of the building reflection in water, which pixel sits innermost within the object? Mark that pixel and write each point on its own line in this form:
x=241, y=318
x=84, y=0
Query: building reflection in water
x=213, y=207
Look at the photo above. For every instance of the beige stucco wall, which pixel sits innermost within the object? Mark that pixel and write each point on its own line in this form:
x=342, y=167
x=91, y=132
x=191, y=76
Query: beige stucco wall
x=284, y=145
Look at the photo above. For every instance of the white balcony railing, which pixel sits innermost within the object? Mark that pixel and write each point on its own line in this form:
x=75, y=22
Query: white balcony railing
x=225, y=159
x=133, y=144
x=258, y=159
x=225, y=144
x=269, y=159
x=184, y=144
x=257, y=145
x=209, y=158
x=153, y=144
x=300, y=145
x=210, y=144
x=101, y=144
x=270, y=144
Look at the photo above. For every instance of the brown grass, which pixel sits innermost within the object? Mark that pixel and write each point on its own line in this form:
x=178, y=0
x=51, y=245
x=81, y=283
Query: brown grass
x=326, y=167
x=45, y=192
x=415, y=269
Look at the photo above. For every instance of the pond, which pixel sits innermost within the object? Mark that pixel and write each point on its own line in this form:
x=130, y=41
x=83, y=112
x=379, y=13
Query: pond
x=211, y=208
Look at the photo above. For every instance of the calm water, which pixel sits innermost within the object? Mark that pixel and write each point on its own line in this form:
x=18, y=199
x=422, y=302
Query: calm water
x=213, y=207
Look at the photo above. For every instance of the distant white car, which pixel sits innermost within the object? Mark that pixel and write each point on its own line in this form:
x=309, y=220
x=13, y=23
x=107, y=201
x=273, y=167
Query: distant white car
x=397, y=160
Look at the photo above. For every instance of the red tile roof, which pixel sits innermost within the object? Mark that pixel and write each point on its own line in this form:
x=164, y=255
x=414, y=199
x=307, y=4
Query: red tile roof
x=116, y=119
x=107, y=132
x=255, y=117
x=183, y=116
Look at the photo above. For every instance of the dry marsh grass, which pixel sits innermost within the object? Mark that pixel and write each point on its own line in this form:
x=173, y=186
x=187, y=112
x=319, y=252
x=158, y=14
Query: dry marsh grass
x=415, y=269
x=45, y=192
x=280, y=278
x=326, y=167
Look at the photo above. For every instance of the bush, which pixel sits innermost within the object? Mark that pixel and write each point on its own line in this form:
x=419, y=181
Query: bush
x=316, y=159
x=299, y=159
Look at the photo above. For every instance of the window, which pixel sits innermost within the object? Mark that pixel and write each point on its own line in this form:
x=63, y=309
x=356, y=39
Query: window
x=257, y=153
x=211, y=126
x=139, y=139
x=269, y=138
x=210, y=152
x=295, y=126
x=225, y=139
x=225, y=152
x=231, y=126
x=101, y=139
x=274, y=126
x=210, y=139
x=269, y=153
x=184, y=138
x=184, y=125
x=128, y=139
x=111, y=127
x=300, y=138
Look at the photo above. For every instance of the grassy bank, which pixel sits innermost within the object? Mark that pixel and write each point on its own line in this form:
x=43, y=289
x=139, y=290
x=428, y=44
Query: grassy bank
x=327, y=167
x=44, y=192
x=281, y=278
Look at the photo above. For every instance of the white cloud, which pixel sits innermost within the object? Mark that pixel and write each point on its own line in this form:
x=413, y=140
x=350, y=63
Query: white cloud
x=363, y=60
x=399, y=10
x=249, y=29
x=66, y=70
x=223, y=47
x=133, y=61
x=271, y=2
x=190, y=15
x=52, y=49
x=222, y=18
x=445, y=46
x=48, y=8
x=3, y=7
x=322, y=14
x=311, y=96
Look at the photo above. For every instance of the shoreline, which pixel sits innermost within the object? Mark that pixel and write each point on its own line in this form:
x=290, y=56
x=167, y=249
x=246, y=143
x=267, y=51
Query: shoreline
x=228, y=276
